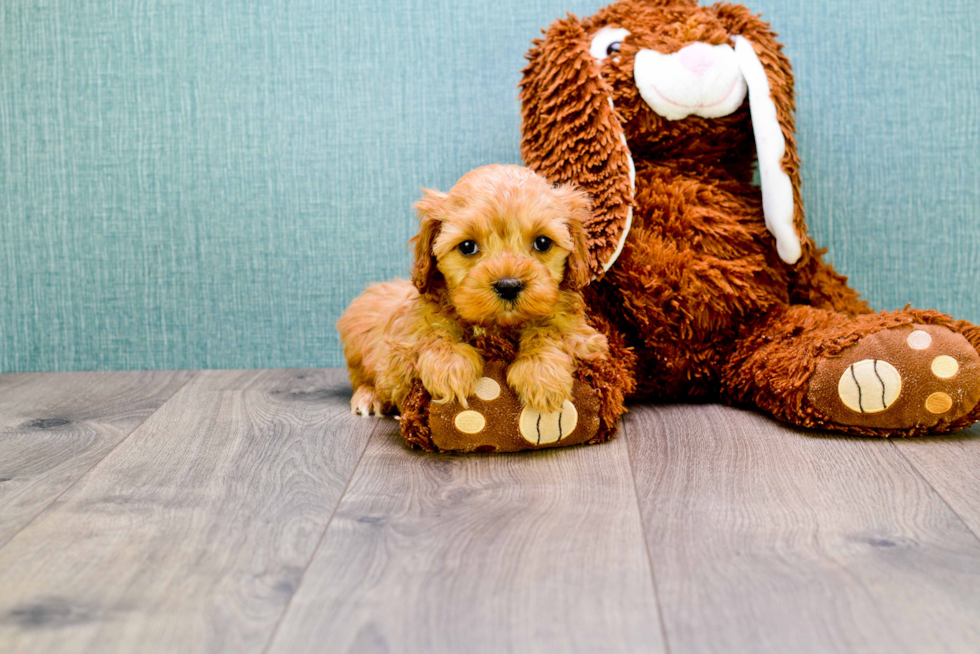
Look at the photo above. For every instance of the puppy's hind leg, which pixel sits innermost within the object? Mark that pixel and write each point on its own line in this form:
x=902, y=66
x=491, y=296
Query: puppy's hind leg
x=365, y=401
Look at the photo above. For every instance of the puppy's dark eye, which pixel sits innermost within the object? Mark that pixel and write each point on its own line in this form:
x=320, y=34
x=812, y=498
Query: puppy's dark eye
x=542, y=244
x=613, y=48
x=468, y=248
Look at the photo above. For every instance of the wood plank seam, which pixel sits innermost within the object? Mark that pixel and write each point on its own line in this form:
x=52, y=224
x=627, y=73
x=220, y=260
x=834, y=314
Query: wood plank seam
x=627, y=435
x=299, y=584
x=935, y=490
x=96, y=463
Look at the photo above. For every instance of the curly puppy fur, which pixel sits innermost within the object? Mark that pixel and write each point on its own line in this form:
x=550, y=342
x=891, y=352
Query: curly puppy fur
x=504, y=249
x=699, y=290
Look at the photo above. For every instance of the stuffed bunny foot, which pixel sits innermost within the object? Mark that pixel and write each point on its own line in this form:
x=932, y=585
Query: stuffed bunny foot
x=897, y=373
x=495, y=421
x=913, y=376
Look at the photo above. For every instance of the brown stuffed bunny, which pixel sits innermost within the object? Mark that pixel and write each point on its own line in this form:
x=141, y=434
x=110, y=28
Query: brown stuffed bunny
x=660, y=109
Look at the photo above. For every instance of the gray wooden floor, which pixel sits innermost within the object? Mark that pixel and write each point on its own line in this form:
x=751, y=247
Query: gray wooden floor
x=249, y=512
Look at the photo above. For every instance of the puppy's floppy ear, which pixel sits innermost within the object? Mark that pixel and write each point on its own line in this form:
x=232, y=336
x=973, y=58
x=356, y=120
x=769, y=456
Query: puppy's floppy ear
x=769, y=76
x=577, y=215
x=570, y=133
x=430, y=211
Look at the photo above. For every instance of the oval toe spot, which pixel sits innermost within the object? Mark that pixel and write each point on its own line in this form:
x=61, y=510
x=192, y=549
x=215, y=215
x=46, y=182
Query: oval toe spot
x=919, y=340
x=470, y=422
x=939, y=403
x=945, y=366
x=487, y=389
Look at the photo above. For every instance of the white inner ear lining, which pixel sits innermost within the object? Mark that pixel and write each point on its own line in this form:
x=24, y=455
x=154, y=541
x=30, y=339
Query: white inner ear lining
x=778, y=204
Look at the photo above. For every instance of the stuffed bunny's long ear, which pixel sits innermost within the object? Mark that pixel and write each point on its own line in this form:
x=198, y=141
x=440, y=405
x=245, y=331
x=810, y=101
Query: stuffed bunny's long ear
x=778, y=202
x=769, y=77
x=570, y=133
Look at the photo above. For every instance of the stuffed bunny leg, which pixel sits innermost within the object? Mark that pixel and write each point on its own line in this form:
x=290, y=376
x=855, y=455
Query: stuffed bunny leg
x=899, y=373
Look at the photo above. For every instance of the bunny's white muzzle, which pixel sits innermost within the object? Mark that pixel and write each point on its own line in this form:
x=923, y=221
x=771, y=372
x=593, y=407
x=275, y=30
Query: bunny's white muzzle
x=700, y=80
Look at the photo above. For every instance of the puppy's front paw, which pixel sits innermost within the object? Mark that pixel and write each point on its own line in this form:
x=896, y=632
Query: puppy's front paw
x=451, y=374
x=541, y=383
x=592, y=347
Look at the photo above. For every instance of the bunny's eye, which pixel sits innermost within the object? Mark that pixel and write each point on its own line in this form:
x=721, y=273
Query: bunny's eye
x=607, y=42
x=468, y=248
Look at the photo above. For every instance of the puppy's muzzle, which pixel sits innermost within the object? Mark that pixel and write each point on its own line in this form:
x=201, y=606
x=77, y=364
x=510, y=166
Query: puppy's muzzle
x=508, y=288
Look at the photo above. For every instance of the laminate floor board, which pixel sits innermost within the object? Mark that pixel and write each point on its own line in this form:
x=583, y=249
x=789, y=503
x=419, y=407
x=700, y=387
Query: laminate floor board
x=192, y=534
x=765, y=538
x=55, y=427
x=951, y=465
x=535, y=552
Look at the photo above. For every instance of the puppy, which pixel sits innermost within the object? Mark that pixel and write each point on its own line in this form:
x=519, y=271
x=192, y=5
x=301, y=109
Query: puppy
x=502, y=250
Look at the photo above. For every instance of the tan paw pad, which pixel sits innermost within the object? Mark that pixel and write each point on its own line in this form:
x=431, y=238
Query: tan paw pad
x=939, y=403
x=869, y=386
x=470, y=422
x=945, y=366
x=919, y=340
x=550, y=427
x=487, y=389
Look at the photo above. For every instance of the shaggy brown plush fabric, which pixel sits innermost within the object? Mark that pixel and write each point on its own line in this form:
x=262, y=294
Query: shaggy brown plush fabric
x=699, y=291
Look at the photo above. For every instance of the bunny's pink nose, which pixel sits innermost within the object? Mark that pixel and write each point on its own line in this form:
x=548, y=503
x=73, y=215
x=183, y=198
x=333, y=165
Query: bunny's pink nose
x=697, y=58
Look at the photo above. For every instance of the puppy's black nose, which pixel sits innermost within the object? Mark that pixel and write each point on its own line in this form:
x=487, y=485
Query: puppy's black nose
x=508, y=288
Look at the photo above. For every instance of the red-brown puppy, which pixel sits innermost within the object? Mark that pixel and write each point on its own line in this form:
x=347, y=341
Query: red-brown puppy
x=503, y=249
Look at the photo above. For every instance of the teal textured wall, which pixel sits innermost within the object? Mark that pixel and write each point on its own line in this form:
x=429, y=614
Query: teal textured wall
x=207, y=184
